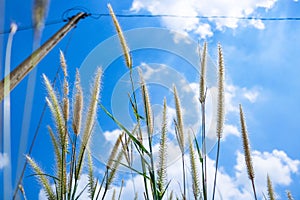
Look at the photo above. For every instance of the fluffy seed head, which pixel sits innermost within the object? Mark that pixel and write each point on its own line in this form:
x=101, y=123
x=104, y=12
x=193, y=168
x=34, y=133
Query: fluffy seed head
x=63, y=63
x=78, y=105
x=271, y=193
x=246, y=145
x=123, y=42
x=180, y=128
x=220, y=106
x=203, y=74
x=147, y=105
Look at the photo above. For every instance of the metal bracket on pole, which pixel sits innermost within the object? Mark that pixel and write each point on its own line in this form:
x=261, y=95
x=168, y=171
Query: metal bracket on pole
x=17, y=75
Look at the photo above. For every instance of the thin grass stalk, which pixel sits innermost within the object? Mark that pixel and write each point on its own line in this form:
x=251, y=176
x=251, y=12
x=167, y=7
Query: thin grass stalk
x=139, y=134
x=194, y=171
x=42, y=178
x=65, y=109
x=162, y=167
x=102, y=183
x=128, y=60
x=204, y=190
x=202, y=100
x=72, y=167
x=271, y=193
x=179, y=130
x=149, y=123
x=121, y=189
x=247, y=150
x=220, y=111
x=76, y=126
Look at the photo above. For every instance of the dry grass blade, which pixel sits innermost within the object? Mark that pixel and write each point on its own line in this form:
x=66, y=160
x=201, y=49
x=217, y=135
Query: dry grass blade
x=42, y=178
x=247, y=150
x=271, y=193
x=124, y=45
x=78, y=105
x=194, y=171
x=162, y=167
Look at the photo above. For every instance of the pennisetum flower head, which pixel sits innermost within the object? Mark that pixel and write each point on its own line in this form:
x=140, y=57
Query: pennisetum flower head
x=220, y=106
x=246, y=145
x=123, y=42
x=203, y=74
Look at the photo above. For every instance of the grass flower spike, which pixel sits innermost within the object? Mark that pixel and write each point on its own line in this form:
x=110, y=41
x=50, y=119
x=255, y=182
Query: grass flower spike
x=125, y=48
x=247, y=150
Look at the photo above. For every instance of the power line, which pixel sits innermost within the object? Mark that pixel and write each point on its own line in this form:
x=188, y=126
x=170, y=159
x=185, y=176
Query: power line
x=68, y=13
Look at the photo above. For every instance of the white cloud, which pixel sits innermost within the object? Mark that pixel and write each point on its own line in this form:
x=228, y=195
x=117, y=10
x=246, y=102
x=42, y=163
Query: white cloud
x=257, y=24
x=276, y=164
x=230, y=130
x=3, y=160
x=234, y=95
x=251, y=95
x=204, y=8
x=112, y=136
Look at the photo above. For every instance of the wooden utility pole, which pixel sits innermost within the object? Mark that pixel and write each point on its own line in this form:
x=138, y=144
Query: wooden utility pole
x=17, y=75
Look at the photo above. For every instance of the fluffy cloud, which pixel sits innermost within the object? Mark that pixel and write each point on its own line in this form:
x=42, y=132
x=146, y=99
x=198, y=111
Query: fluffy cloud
x=276, y=164
x=3, y=160
x=112, y=136
x=203, y=27
x=234, y=95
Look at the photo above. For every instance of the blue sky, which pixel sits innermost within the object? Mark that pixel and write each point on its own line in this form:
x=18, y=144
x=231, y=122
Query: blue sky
x=262, y=69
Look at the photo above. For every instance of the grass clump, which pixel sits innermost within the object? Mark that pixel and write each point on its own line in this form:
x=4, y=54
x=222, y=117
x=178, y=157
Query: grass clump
x=71, y=153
